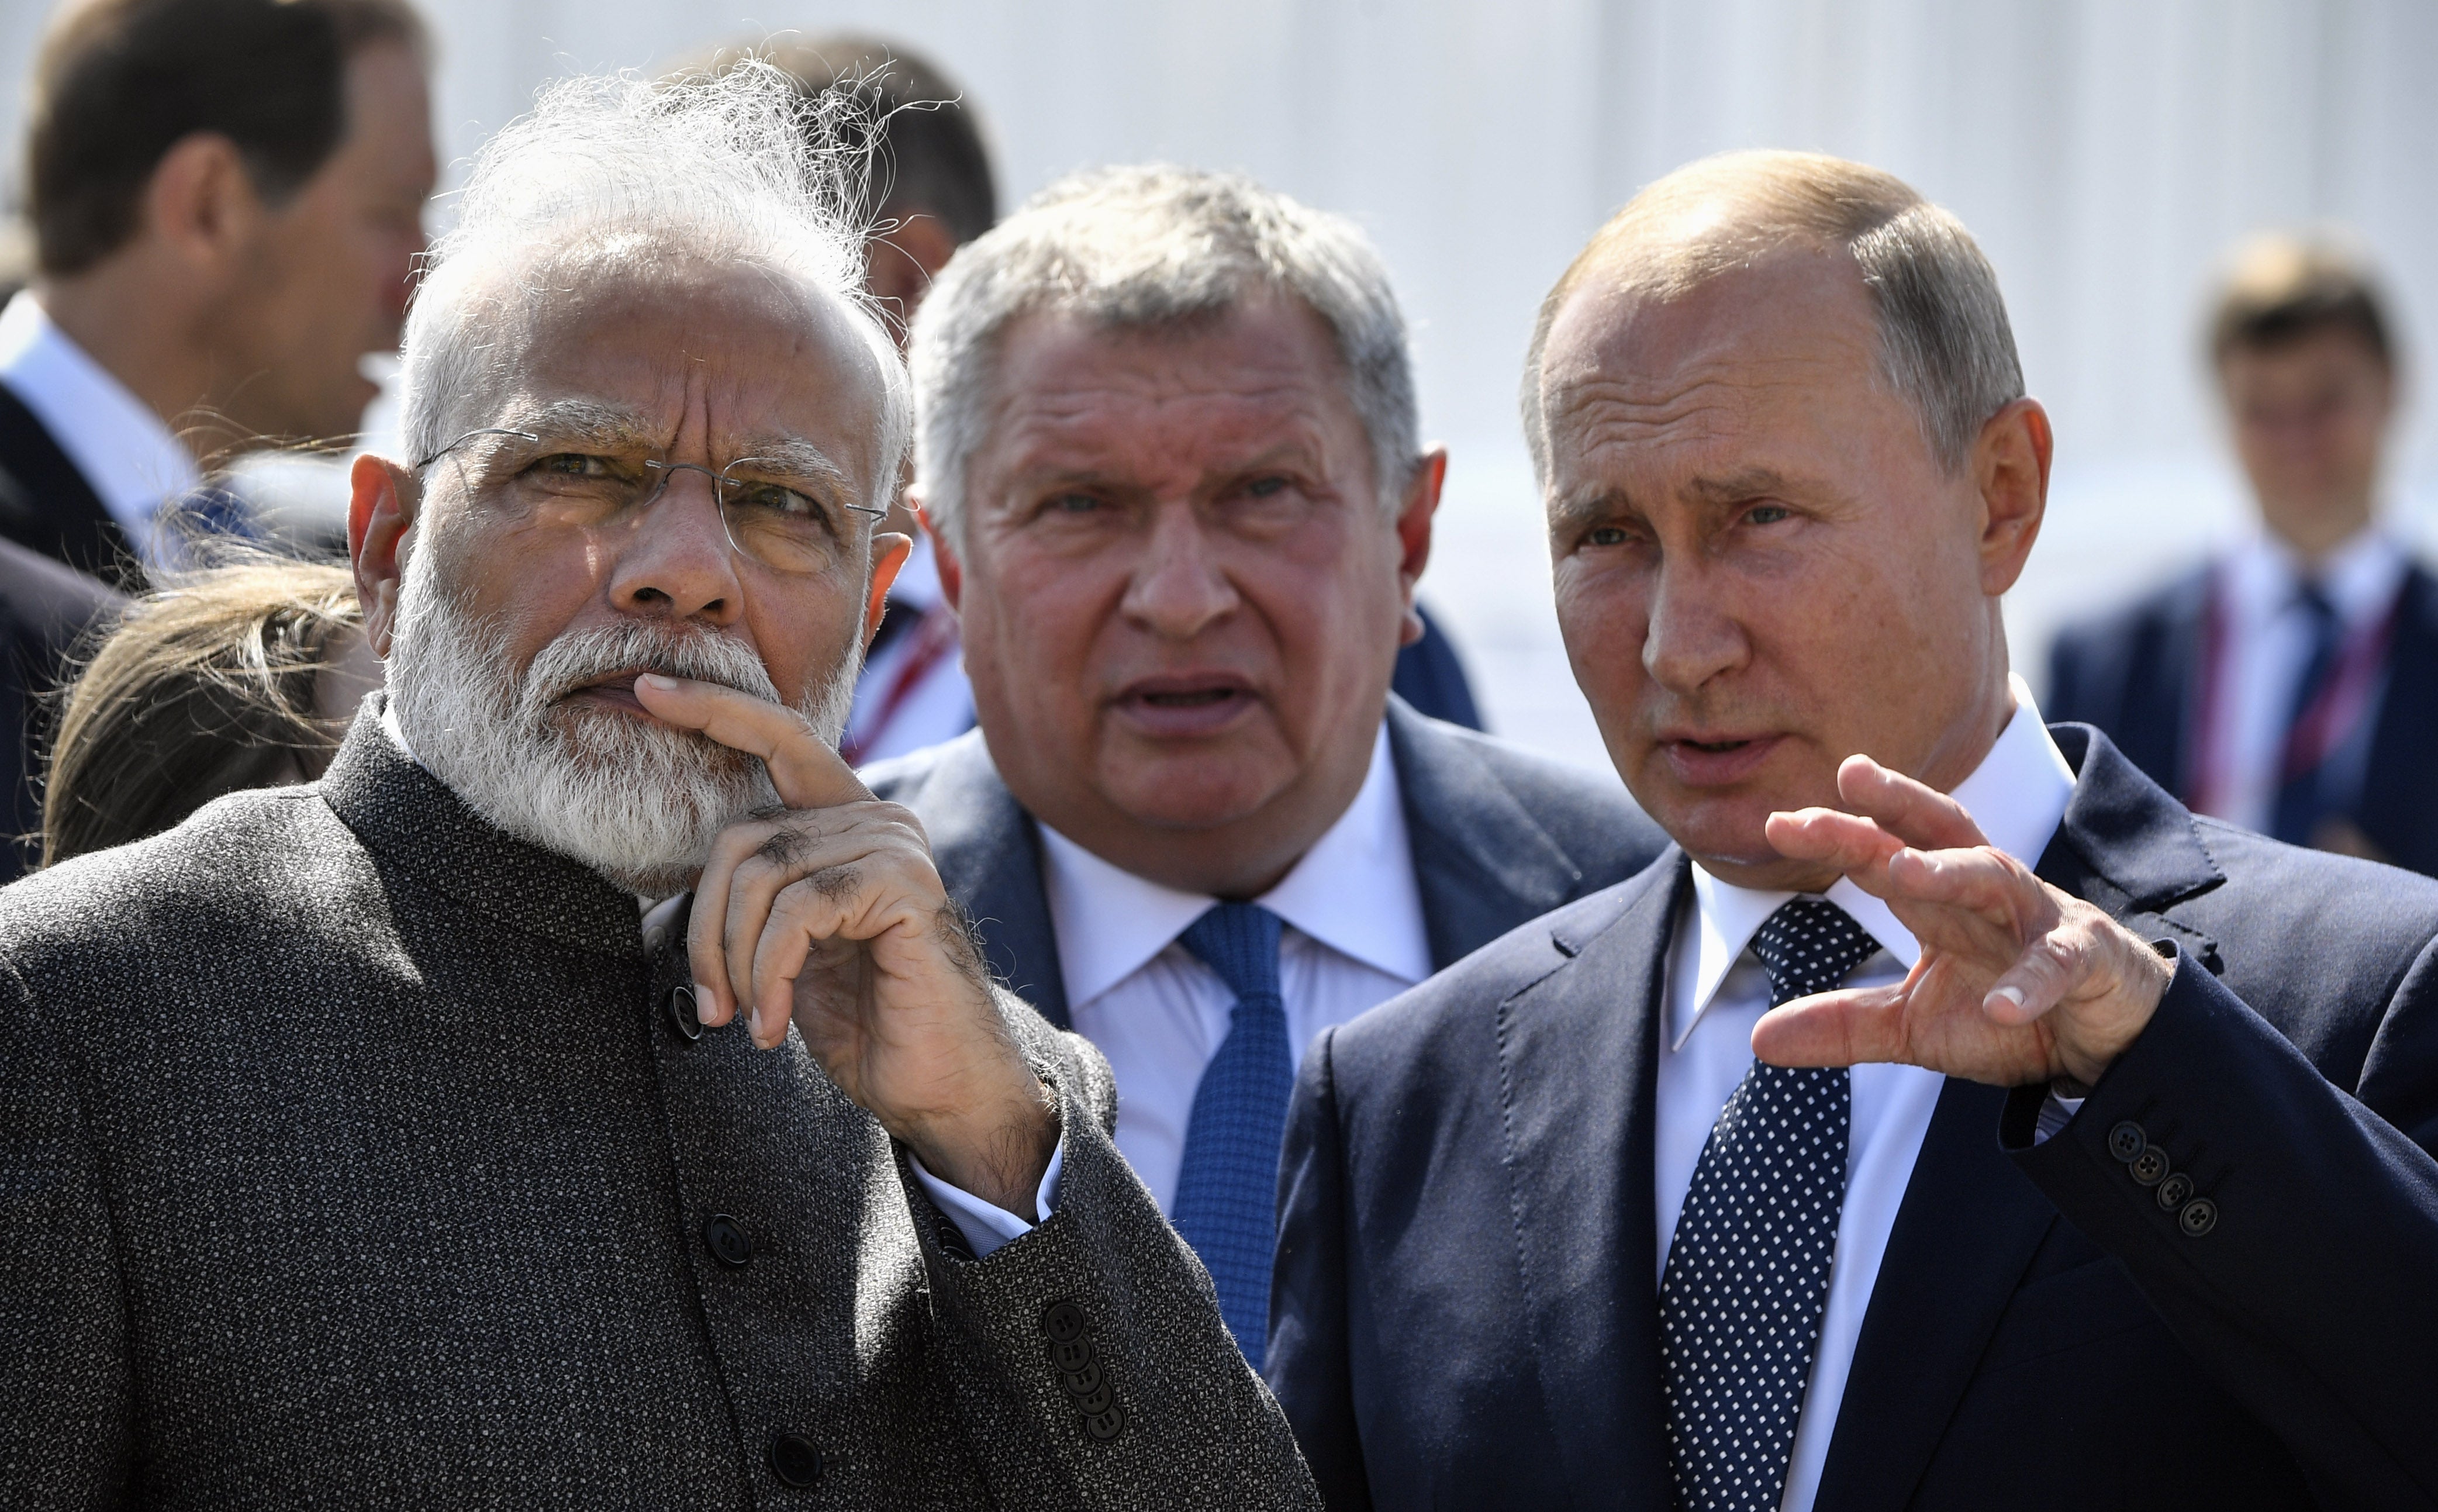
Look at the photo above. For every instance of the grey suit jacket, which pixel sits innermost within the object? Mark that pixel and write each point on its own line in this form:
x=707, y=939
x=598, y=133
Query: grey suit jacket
x=1499, y=836
x=353, y=1152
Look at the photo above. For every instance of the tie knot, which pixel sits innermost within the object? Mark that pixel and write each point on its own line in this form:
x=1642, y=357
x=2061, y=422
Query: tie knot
x=2313, y=601
x=1809, y=946
x=1240, y=941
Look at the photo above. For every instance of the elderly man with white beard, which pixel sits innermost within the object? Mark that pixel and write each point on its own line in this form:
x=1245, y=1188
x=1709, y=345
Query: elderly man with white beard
x=586, y=1094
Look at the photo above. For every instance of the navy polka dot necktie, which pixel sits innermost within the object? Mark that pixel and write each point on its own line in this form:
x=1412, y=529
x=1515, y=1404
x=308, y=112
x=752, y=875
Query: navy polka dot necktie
x=1227, y=1183
x=1747, y=1276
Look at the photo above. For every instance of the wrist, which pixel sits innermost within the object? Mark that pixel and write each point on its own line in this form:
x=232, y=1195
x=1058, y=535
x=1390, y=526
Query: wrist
x=2149, y=968
x=997, y=1149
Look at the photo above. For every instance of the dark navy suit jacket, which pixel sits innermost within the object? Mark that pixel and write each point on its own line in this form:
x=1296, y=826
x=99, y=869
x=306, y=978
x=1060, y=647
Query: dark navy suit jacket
x=1498, y=836
x=2136, y=673
x=44, y=607
x=48, y=507
x=1465, y=1312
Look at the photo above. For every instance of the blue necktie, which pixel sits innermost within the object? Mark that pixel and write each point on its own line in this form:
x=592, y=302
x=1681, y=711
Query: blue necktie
x=1227, y=1186
x=1747, y=1276
x=2301, y=802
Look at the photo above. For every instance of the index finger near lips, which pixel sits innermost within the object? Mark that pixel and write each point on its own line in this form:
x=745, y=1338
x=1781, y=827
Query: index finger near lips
x=806, y=773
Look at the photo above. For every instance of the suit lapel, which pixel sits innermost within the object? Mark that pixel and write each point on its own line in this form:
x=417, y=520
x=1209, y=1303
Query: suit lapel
x=47, y=505
x=2394, y=801
x=984, y=846
x=1578, y=1052
x=1483, y=865
x=1970, y=1222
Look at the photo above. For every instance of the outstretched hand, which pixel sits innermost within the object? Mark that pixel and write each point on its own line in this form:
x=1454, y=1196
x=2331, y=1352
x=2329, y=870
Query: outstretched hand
x=832, y=913
x=2017, y=981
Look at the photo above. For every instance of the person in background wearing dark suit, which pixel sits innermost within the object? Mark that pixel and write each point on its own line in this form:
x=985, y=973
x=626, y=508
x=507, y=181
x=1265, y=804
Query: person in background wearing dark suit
x=1950, y=1119
x=2290, y=684
x=226, y=198
x=1167, y=450
x=586, y=1093
x=45, y=608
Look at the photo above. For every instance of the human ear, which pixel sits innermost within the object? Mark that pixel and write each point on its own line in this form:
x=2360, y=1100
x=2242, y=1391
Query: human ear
x=201, y=203
x=943, y=557
x=1414, y=515
x=2010, y=469
x=381, y=508
x=890, y=551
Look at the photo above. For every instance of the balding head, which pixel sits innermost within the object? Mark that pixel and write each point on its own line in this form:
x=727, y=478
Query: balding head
x=1789, y=473
x=1945, y=345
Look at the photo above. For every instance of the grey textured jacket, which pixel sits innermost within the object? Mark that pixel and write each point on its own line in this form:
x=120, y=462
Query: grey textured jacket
x=353, y=1153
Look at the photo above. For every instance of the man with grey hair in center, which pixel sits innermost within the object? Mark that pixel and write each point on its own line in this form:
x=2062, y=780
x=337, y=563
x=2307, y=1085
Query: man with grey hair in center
x=586, y=1094
x=1168, y=452
x=1950, y=1119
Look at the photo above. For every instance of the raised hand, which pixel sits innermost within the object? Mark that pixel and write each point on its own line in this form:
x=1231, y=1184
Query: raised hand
x=832, y=914
x=2017, y=981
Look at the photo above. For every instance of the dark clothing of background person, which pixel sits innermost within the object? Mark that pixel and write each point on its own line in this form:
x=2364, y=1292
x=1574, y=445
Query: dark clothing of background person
x=1498, y=835
x=48, y=507
x=1466, y=1314
x=2139, y=674
x=353, y=1150
x=1430, y=676
x=44, y=607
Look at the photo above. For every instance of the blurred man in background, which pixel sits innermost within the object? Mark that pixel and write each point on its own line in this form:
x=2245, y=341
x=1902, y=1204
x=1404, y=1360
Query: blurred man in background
x=44, y=607
x=2292, y=685
x=226, y=198
x=1168, y=452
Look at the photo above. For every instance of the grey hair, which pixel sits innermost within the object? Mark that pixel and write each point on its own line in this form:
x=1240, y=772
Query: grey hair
x=619, y=172
x=1147, y=247
x=1945, y=348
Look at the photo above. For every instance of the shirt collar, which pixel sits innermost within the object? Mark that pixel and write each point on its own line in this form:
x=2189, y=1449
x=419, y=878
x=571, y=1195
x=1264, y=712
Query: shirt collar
x=1353, y=891
x=131, y=459
x=2361, y=578
x=2018, y=795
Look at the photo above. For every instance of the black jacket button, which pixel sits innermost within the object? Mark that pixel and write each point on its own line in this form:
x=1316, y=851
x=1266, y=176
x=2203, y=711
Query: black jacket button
x=2127, y=1141
x=2175, y=1191
x=682, y=1016
x=1063, y=1320
x=1071, y=1355
x=2197, y=1217
x=2150, y=1167
x=1085, y=1382
x=729, y=1244
x=1105, y=1426
x=795, y=1460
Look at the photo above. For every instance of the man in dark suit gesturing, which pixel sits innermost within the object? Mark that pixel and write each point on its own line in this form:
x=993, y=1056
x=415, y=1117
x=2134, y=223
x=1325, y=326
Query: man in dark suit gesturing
x=2124, y=1199
x=1168, y=453
x=587, y=1094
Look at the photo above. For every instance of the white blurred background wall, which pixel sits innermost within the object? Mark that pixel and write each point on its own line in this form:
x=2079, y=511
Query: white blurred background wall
x=2105, y=152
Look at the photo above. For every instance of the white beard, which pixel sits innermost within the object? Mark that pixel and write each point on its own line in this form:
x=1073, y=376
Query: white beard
x=636, y=801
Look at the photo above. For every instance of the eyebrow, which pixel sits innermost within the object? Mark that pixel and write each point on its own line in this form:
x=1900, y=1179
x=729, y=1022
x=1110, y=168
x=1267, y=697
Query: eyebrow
x=592, y=422
x=1723, y=489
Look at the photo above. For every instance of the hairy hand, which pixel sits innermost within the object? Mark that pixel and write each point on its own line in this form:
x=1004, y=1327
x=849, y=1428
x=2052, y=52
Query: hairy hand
x=2017, y=981
x=831, y=913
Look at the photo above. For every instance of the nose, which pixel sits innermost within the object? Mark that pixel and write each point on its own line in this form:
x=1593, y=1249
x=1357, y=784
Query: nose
x=1692, y=634
x=1179, y=589
x=675, y=563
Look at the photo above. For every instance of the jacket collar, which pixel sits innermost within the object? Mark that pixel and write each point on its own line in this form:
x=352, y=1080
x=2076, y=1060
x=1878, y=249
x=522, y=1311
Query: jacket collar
x=986, y=848
x=410, y=821
x=1483, y=863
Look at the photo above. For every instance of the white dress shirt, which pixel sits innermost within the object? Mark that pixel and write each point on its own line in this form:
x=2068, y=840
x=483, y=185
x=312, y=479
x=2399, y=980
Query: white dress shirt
x=128, y=456
x=1716, y=992
x=1354, y=938
x=2265, y=640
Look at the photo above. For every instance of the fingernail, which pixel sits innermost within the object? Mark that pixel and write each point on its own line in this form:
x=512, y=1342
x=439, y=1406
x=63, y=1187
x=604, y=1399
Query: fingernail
x=2012, y=994
x=655, y=679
